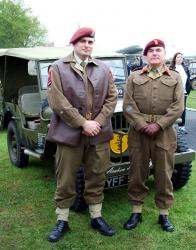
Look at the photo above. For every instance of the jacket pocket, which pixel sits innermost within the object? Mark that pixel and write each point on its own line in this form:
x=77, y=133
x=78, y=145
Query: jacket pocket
x=170, y=82
x=166, y=91
x=169, y=145
x=102, y=146
x=167, y=139
x=140, y=88
x=139, y=81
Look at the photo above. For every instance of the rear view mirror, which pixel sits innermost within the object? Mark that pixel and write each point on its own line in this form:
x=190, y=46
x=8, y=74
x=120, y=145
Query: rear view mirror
x=32, y=68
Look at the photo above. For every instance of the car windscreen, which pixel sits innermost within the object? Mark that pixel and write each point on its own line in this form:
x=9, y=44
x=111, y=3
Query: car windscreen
x=44, y=67
x=117, y=68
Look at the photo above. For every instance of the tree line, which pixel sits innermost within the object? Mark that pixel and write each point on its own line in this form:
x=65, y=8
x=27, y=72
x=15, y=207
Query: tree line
x=18, y=26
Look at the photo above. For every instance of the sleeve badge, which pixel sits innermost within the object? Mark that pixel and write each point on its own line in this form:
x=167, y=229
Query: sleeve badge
x=49, y=78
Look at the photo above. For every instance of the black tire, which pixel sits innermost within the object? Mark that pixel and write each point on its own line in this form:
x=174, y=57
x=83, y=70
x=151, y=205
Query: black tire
x=15, y=150
x=182, y=171
x=181, y=175
x=80, y=203
x=181, y=143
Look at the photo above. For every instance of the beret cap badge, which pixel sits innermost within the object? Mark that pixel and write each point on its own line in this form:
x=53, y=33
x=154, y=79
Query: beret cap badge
x=153, y=43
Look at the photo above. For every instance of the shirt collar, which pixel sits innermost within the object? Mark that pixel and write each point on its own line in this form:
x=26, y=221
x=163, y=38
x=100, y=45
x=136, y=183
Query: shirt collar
x=71, y=58
x=162, y=69
x=78, y=60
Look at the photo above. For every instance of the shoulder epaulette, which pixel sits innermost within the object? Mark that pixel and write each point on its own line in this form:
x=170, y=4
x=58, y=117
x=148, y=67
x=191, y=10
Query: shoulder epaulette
x=138, y=68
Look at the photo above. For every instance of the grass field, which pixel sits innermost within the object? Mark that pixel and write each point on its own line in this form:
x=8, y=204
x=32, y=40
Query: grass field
x=27, y=214
x=191, y=101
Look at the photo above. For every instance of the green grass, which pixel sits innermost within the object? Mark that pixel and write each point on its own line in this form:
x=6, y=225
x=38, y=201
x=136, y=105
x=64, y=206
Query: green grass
x=27, y=214
x=191, y=101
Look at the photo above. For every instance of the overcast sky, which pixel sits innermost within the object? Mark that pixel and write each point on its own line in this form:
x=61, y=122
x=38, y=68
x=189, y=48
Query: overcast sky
x=121, y=23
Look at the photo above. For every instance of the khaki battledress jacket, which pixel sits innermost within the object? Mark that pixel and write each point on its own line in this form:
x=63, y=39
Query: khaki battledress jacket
x=152, y=98
x=75, y=97
x=162, y=97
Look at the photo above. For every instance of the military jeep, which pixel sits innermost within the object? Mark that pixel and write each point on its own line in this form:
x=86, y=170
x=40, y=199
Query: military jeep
x=26, y=115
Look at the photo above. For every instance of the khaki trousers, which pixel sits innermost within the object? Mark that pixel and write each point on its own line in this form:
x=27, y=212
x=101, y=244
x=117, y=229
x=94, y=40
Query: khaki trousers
x=141, y=150
x=68, y=160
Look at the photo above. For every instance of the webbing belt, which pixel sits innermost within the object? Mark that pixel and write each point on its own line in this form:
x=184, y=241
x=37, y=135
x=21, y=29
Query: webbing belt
x=151, y=118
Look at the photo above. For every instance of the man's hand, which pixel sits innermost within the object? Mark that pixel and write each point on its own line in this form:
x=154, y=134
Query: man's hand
x=143, y=128
x=91, y=128
x=152, y=129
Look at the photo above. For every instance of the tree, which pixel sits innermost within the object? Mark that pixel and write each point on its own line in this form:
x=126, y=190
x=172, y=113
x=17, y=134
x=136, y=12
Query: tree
x=18, y=27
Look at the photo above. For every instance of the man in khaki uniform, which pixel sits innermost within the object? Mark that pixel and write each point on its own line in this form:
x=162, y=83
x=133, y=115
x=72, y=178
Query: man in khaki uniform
x=82, y=94
x=153, y=101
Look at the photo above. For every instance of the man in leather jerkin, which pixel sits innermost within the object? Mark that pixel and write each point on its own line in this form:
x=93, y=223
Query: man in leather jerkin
x=153, y=101
x=82, y=95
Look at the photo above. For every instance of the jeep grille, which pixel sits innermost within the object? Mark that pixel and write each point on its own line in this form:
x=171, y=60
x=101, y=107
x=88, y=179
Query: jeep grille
x=119, y=122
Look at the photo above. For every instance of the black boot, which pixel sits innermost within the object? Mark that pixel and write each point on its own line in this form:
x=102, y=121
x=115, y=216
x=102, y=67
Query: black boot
x=165, y=223
x=102, y=226
x=59, y=230
x=132, y=222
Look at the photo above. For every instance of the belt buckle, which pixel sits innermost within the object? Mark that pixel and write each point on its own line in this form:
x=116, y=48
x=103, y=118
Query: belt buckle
x=88, y=115
x=152, y=118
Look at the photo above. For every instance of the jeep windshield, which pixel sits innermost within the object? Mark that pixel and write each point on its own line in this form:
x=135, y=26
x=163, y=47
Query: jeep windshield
x=44, y=67
x=117, y=68
x=116, y=65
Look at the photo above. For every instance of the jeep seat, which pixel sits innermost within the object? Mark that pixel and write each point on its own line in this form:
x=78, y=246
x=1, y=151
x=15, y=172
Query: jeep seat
x=30, y=104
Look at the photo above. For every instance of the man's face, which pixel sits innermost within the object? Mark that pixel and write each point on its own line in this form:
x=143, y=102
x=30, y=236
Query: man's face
x=83, y=48
x=155, y=56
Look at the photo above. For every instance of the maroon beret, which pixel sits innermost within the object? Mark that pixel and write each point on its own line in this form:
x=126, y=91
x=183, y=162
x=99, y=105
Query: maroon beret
x=153, y=43
x=82, y=32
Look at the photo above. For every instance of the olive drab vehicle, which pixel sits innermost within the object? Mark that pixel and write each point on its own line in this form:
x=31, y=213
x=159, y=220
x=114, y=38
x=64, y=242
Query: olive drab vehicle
x=26, y=115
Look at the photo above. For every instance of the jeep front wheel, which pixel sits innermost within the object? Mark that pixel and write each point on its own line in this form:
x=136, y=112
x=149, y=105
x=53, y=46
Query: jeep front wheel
x=181, y=175
x=15, y=150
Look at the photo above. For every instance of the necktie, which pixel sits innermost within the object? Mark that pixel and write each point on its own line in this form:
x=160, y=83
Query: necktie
x=83, y=64
x=155, y=70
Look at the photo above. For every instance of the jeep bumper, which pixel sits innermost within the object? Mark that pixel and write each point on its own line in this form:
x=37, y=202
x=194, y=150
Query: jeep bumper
x=183, y=157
